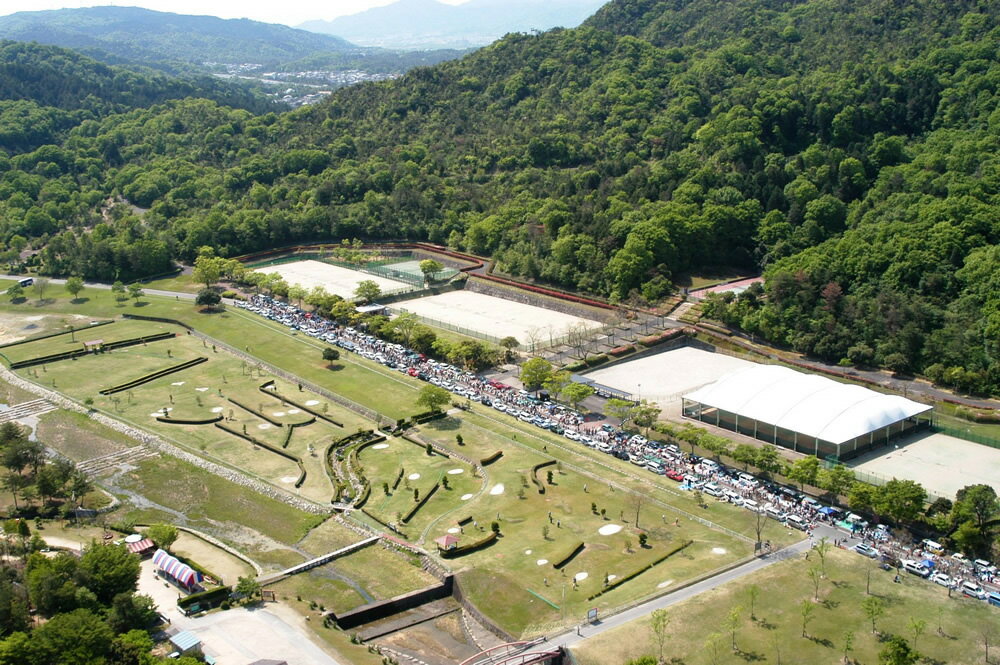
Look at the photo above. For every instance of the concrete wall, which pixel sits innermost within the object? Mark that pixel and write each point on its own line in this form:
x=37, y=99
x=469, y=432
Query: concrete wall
x=384, y=608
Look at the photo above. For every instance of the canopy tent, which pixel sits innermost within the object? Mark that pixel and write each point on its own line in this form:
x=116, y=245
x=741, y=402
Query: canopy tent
x=140, y=547
x=803, y=411
x=173, y=568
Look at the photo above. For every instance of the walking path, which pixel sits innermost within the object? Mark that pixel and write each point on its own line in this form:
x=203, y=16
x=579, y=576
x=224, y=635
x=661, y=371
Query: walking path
x=573, y=637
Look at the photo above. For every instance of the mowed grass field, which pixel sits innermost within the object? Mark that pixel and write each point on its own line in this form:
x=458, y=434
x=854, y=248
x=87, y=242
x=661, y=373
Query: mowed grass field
x=201, y=392
x=953, y=627
x=514, y=580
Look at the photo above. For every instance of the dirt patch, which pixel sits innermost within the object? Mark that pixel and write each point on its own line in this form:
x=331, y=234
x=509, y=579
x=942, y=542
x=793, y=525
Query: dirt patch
x=438, y=642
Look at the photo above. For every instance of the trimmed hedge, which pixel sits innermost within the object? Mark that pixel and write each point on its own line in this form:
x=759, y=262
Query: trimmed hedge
x=575, y=366
x=135, y=341
x=152, y=377
x=52, y=357
x=599, y=359
x=561, y=563
x=190, y=421
x=316, y=414
x=211, y=598
x=622, y=580
x=619, y=351
x=363, y=499
x=255, y=412
x=385, y=524
x=399, y=477
x=158, y=319
x=486, y=461
x=420, y=504
x=288, y=437
x=534, y=475
x=268, y=446
x=427, y=416
x=462, y=550
x=653, y=340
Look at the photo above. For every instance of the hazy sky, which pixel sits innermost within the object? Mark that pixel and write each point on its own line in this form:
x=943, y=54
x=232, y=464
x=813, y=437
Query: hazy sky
x=289, y=12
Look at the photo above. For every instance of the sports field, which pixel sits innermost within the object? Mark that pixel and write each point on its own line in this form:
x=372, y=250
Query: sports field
x=941, y=463
x=494, y=316
x=665, y=377
x=336, y=280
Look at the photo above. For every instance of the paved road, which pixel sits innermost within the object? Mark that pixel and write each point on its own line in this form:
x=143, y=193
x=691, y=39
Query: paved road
x=572, y=638
x=107, y=287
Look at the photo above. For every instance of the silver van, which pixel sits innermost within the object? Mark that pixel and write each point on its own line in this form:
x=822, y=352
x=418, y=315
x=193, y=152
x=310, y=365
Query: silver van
x=916, y=568
x=796, y=522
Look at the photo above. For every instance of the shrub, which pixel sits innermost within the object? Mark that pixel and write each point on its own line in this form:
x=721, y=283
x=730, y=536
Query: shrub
x=621, y=350
x=599, y=359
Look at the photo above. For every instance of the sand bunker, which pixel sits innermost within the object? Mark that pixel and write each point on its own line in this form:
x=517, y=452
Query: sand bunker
x=527, y=551
x=264, y=426
x=579, y=577
x=664, y=585
x=380, y=446
x=454, y=529
x=414, y=476
x=455, y=472
x=292, y=412
x=312, y=402
x=466, y=497
x=202, y=389
x=612, y=578
x=718, y=550
x=542, y=562
x=177, y=383
x=289, y=479
x=278, y=414
x=216, y=409
x=609, y=529
x=497, y=489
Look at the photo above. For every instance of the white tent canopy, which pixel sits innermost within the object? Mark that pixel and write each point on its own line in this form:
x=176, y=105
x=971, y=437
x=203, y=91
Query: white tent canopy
x=818, y=407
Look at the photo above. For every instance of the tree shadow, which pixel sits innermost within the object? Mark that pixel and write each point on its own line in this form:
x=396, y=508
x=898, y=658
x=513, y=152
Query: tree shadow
x=765, y=624
x=140, y=304
x=749, y=656
x=18, y=300
x=447, y=424
x=79, y=300
x=830, y=604
x=42, y=302
x=821, y=641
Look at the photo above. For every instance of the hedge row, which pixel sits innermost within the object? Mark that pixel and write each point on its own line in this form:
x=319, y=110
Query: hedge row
x=977, y=416
x=561, y=563
x=468, y=549
x=257, y=413
x=135, y=341
x=268, y=446
x=486, y=461
x=190, y=421
x=152, y=377
x=622, y=580
x=653, y=340
x=534, y=475
x=385, y=524
x=599, y=359
x=52, y=357
x=575, y=366
x=288, y=437
x=437, y=451
x=274, y=392
x=420, y=504
x=211, y=598
x=27, y=340
x=619, y=351
x=158, y=319
x=363, y=499
x=399, y=477
x=427, y=416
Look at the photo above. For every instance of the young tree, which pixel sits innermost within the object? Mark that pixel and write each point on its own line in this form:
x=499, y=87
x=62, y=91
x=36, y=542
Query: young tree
x=745, y=454
x=576, y=393
x=917, y=627
x=645, y=414
x=135, y=292
x=404, y=325
x=768, y=460
x=430, y=267
x=804, y=471
x=822, y=548
x=753, y=593
x=838, y=481
x=816, y=576
x=297, y=292
x=873, y=608
x=15, y=292
x=848, y=644
x=659, y=620
x=74, y=285
x=619, y=409
x=806, y=611
x=732, y=623
x=163, y=535
x=508, y=344
x=367, y=291
x=40, y=285
x=249, y=587
x=556, y=383
x=897, y=652
x=535, y=372
x=208, y=269
x=433, y=397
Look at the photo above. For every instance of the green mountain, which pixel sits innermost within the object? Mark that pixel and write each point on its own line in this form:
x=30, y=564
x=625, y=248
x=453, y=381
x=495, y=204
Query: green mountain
x=848, y=149
x=182, y=43
x=45, y=90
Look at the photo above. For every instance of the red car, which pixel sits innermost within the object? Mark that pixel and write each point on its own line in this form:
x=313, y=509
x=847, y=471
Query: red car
x=674, y=475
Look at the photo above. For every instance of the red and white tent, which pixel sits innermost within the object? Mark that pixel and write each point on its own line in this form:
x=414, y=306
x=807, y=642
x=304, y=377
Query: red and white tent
x=181, y=572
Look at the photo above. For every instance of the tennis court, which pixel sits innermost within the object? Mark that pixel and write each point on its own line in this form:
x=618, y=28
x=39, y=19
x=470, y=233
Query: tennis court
x=663, y=378
x=494, y=317
x=340, y=281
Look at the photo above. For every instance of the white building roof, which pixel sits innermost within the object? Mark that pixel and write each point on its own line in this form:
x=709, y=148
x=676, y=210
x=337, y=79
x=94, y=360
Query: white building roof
x=806, y=403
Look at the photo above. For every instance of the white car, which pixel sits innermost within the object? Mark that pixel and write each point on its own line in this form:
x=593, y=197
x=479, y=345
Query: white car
x=942, y=579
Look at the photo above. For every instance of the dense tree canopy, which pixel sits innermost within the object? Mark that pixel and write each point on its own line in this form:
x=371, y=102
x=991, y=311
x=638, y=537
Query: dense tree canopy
x=849, y=149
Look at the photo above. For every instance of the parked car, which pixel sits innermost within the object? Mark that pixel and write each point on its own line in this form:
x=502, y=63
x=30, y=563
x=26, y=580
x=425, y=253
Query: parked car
x=866, y=550
x=675, y=475
x=942, y=579
x=972, y=590
x=916, y=568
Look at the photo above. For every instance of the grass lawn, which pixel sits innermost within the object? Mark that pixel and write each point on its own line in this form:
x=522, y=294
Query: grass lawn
x=182, y=283
x=506, y=579
x=207, y=500
x=327, y=537
x=78, y=437
x=696, y=634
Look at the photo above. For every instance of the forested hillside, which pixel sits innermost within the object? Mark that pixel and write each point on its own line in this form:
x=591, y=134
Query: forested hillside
x=849, y=149
x=45, y=90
